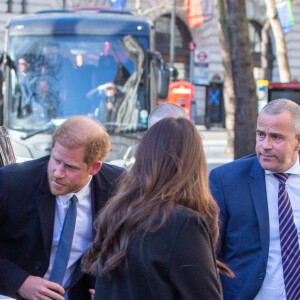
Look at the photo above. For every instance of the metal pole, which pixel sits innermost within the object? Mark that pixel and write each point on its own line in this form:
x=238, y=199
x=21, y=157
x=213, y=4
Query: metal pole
x=23, y=6
x=9, y=6
x=192, y=101
x=191, y=71
x=172, y=30
x=138, y=6
x=64, y=4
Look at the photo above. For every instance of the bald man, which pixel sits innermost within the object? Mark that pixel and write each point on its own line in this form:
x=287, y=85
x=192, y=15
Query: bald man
x=166, y=110
x=34, y=200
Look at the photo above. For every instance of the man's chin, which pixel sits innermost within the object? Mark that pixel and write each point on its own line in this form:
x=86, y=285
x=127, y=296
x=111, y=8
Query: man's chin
x=268, y=165
x=58, y=191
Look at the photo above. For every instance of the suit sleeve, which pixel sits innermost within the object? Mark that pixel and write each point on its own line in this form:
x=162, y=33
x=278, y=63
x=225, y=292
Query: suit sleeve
x=193, y=269
x=11, y=275
x=217, y=192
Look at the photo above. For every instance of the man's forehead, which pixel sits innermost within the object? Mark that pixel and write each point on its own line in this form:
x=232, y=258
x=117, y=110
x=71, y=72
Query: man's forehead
x=67, y=154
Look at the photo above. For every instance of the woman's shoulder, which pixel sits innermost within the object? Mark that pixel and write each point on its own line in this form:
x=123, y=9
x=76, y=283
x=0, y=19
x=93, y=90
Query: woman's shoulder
x=183, y=212
x=184, y=216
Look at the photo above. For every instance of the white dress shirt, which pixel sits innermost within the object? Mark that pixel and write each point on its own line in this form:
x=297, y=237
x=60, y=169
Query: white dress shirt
x=83, y=230
x=273, y=285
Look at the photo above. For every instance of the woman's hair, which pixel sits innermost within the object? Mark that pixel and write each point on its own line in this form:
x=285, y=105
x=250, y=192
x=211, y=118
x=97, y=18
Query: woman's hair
x=170, y=169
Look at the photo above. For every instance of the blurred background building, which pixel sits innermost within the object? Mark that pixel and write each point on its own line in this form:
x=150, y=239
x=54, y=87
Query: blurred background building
x=205, y=36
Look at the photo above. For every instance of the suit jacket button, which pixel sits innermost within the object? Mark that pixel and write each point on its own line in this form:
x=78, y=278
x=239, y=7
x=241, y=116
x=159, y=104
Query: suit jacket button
x=261, y=276
x=37, y=266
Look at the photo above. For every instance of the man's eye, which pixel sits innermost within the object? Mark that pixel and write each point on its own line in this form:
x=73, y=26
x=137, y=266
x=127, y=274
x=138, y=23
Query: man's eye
x=70, y=167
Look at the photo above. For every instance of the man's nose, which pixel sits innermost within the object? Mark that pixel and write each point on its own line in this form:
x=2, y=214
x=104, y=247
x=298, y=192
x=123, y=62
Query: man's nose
x=267, y=144
x=59, y=171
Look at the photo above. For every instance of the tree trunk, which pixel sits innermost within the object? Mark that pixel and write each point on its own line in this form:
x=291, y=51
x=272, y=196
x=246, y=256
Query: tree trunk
x=229, y=96
x=281, y=52
x=242, y=72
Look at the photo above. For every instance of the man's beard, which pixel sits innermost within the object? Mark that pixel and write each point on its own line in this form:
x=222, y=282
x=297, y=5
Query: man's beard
x=66, y=188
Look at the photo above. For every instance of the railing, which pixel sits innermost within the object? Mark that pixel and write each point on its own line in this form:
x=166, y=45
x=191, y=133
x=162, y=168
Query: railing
x=9, y=5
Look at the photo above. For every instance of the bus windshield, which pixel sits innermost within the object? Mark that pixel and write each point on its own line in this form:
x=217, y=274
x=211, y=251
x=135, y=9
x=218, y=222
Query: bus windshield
x=54, y=77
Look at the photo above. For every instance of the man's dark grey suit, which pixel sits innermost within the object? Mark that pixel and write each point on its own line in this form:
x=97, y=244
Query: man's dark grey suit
x=27, y=211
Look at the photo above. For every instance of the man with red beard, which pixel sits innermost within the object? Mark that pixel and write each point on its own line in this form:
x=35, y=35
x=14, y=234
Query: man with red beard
x=259, y=202
x=34, y=200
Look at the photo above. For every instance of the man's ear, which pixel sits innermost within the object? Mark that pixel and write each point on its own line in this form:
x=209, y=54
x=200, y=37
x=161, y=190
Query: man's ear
x=96, y=166
x=298, y=145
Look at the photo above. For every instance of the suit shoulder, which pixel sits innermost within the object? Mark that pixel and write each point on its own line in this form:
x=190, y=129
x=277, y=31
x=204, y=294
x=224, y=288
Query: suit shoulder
x=26, y=167
x=184, y=216
x=111, y=172
x=237, y=166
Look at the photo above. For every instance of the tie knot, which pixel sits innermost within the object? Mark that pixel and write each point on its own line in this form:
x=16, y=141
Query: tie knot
x=282, y=177
x=73, y=199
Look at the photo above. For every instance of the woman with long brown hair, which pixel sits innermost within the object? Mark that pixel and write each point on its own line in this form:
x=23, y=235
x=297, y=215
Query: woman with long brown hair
x=156, y=237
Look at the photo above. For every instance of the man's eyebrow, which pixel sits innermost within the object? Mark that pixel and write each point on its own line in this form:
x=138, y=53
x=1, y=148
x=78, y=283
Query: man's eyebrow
x=54, y=156
x=259, y=130
x=277, y=134
x=74, y=166
x=66, y=163
x=271, y=133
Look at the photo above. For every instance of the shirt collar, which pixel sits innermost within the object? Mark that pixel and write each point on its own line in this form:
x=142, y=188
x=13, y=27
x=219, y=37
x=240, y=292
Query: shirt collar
x=295, y=169
x=80, y=195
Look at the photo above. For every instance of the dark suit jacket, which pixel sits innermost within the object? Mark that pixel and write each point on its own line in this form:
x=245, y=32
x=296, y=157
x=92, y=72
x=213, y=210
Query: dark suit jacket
x=27, y=210
x=175, y=262
x=239, y=188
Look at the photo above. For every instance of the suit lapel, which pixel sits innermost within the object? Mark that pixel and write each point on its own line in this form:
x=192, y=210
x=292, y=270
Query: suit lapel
x=46, y=212
x=46, y=203
x=259, y=195
x=100, y=194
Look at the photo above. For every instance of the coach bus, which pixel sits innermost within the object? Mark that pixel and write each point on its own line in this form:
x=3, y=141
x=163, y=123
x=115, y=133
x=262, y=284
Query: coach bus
x=61, y=63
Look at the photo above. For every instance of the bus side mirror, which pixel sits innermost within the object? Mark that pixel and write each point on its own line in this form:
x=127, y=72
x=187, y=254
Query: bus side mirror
x=162, y=77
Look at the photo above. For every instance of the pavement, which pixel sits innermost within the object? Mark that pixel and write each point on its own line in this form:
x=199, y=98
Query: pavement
x=215, y=146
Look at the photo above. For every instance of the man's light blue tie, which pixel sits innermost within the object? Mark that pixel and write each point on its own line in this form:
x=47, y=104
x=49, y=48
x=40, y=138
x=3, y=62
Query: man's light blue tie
x=65, y=242
x=290, y=250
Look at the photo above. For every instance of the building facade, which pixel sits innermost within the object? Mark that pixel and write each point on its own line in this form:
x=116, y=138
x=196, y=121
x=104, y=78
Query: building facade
x=205, y=36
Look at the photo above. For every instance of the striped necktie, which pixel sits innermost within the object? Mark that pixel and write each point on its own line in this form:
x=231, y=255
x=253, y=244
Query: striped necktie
x=65, y=242
x=290, y=251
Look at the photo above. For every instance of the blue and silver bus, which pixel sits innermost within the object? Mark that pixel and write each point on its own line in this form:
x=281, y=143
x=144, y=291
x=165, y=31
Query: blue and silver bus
x=63, y=63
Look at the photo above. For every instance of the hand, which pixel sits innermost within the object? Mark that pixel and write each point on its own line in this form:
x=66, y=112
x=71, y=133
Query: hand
x=92, y=292
x=106, y=86
x=110, y=106
x=37, y=288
